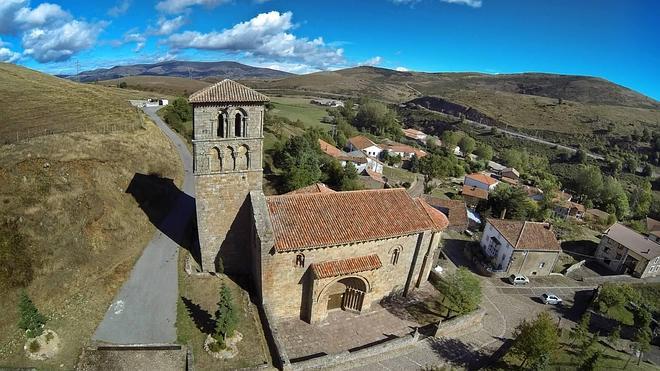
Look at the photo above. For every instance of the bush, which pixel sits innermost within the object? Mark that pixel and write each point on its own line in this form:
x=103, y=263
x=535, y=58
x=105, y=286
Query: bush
x=463, y=291
x=34, y=346
x=225, y=316
x=217, y=346
x=30, y=319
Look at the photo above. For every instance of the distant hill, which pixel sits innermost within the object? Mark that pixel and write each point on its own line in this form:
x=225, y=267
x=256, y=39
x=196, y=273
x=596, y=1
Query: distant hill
x=167, y=85
x=187, y=69
x=397, y=86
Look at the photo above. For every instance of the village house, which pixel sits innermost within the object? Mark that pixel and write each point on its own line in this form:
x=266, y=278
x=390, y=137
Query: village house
x=414, y=134
x=405, y=151
x=308, y=252
x=360, y=162
x=510, y=173
x=473, y=195
x=365, y=145
x=520, y=247
x=455, y=210
x=481, y=181
x=566, y=209
x=624, y=251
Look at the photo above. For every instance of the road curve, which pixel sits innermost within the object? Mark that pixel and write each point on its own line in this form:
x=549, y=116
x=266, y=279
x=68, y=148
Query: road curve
x=144, y=310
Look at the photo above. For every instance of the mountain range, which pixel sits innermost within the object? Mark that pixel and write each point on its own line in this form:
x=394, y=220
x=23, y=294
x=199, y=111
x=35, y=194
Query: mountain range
x=188, y=69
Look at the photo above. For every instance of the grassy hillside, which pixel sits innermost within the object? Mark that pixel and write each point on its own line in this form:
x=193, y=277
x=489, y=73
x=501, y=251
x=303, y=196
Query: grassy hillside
x=36, y=104
x=176, y=86
x=300, y=108
x=530, y=102
x=65, y=197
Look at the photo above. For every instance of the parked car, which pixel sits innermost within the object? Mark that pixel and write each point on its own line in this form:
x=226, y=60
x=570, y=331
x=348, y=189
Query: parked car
x=518, y=279
x=550, y=298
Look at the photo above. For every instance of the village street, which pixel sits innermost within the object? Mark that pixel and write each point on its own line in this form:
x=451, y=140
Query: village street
x=144, y=310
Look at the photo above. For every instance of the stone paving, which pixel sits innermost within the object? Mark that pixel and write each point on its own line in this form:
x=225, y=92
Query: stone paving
x=341, y=331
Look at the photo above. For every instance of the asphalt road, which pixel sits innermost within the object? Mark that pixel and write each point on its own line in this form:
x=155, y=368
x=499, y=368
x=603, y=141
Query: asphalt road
x=144, y=310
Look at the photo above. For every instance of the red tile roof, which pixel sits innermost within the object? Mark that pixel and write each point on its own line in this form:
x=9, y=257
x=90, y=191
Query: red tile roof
x=361, y=142
x=375, y=176
x=305, y=221
x=314, y=188
x=412, y=133
x=334, y=268
x=474, y=192
x=482, y=178
x=329, y=149
x=523, y=235
x=455, y=210
x=227, y=91
x=439, y=219
x=404, y=148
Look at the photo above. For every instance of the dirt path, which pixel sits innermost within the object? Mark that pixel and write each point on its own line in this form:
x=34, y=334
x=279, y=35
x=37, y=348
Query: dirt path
x=144, y=310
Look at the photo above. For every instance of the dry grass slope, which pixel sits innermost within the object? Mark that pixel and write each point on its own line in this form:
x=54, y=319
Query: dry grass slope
x=176, y=86
x=33, y=104
x=67, y=194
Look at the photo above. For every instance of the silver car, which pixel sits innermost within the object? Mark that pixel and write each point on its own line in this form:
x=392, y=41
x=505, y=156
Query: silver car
x=518, y=279
x=550, y=298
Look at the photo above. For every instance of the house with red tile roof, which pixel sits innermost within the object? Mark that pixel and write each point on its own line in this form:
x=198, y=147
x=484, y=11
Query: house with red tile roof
x=360, y=162
x=481, y=181
x=405, y=151
x=473, y=195
x=520, y=247
x=414, y=134
x=365, y=145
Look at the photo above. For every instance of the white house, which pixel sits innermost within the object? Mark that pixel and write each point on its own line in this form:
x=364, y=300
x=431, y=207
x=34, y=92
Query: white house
x=405, y=151
x=481, y=181
x=415, y=135
x=365, y=145
x=520, y=247
x=357, y=158
x=163, y=102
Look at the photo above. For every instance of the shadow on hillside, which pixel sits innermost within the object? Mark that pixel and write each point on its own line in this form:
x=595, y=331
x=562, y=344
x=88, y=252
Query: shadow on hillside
x=203, y=319
x=168, y=208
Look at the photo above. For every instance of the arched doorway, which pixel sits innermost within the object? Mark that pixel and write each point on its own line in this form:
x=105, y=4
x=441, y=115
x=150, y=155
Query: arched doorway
x=347, y=294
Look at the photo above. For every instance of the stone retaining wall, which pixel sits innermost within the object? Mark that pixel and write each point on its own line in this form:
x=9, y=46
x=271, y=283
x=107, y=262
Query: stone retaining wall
x=458, y=325
x=336, y=360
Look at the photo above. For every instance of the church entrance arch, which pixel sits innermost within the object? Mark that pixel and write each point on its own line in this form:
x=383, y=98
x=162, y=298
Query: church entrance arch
x=346, y=294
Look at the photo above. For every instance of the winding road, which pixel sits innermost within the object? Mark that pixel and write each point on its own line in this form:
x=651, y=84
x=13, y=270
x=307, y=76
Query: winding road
x=144, y=310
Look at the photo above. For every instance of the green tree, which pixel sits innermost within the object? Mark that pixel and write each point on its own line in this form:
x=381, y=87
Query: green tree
x=614, y=336
x=450, y=139
x=590, y=363
x=631, y=164
x=225, y=316
x=512, y=201
x=414, y=164
x=30, y=319
x=299, y=159
x=641, y=344
x=467, y=144
x=535, y=340
x=436, y=166
x=613, y=195
x=349, y=179
x=580, y=332
x=484, y=152
x=462, y=291
x=588, y=181
x=580, y=156
x=616, y=166
x=377, y=119
x=641, y=199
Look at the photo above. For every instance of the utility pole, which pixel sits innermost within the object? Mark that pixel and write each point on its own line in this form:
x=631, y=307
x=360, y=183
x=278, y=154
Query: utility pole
x=189, y=73
x=78, y=69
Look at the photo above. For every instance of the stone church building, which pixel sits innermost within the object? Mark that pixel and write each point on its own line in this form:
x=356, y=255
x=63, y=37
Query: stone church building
x=310, y=251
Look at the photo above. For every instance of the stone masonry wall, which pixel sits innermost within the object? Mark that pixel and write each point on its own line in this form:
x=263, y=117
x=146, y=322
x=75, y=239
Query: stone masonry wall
x=291, y=291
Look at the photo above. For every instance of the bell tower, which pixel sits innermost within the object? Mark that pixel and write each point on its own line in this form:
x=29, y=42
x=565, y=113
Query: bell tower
x=228, y=123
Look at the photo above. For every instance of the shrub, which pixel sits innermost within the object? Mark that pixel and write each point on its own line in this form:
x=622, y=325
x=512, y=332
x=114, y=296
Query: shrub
x=49, y=337
x=225, y=316
x=34, y=346
x=30, y=319
x=217, y=346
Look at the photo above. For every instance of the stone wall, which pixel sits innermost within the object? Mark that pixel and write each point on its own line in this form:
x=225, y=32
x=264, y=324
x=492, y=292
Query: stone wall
x=470, y=322
x=529, y=264
x=226, y=169
x=292, y=291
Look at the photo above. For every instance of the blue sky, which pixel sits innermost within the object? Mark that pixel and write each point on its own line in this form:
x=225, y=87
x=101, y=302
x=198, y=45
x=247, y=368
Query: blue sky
x=617, y=40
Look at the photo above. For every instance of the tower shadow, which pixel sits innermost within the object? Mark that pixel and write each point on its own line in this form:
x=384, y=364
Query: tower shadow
x=168, y=208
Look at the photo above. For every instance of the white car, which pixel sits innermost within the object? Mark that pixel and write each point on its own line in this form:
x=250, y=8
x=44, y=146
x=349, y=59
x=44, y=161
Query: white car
x=550, y=298
x=518, y=279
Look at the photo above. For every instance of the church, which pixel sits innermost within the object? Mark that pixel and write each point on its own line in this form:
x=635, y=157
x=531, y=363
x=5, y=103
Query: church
x=310, y=251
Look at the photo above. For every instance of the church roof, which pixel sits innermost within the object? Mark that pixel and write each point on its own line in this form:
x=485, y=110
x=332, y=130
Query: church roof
x=227, y=91
x=314, y=188
x=312, y=220
x=334, y=268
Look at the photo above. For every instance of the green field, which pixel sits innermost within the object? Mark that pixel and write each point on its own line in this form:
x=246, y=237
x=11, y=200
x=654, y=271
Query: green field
x=300, y=108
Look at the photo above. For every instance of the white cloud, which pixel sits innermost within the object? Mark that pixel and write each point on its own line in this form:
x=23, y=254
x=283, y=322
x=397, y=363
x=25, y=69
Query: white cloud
x=265, y=37
x=7, y=55
x=167, y=57
x=60, y=43
x=401, y=69
x=375, y=61
x=138, y=47
x=470, y=3
x=178, y=6
x=167, y=26
x=16, y=15
x=120, y=8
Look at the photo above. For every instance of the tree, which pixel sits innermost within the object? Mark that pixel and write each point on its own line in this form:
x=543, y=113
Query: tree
x=614, y=336
x=484, y=152
x=299, y=160
x=591, y=362
x=467, y=144
x=616, y=166
x=535, y=341
x=642, y=343
x=414, y=164
x=225, y=316
x=30, y=319
x=377, y=119
x=631, y=163
x=450, y=139
x=647, y=170
x=613, y=195
x=580, y=332
x=122, y=85
x=588, y=181
x=513, y=201
x=463, y=291
x=435, y=166
x=580, y=156
x=349, y=179
x=641, y=199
